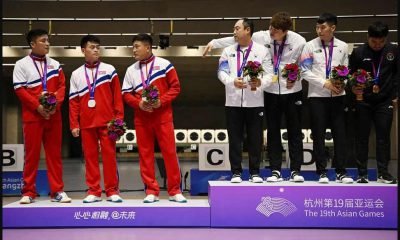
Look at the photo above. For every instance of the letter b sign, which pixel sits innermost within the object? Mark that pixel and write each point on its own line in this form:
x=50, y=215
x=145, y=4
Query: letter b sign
x=13, y=157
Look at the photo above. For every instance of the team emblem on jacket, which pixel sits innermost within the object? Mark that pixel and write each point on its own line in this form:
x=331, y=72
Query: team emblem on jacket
x=390, y=56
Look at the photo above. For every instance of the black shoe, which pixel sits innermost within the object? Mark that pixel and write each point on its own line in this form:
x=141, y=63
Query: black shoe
x=387, y=178
x=362, y=179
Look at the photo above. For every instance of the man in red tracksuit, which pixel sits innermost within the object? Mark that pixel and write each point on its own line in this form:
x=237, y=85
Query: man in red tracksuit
x=33, y=76
x=153, y=120
x=94, y=100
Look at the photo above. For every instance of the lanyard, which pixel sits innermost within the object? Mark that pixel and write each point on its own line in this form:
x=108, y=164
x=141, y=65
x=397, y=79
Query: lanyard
x=376, y=72
x=278, y=55
x=238, y=65
x=43, y=78
x=146, y=82
x=328, y=61
x=92, y=88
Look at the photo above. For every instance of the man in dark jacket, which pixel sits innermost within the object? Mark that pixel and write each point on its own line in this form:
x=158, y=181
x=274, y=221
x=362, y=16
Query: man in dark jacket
x=380, y=58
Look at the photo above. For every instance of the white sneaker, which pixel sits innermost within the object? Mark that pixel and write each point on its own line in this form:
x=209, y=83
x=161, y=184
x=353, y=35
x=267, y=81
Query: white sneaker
x=61, y=197
x=178, y=198
x=256, y=179
x=236, y=178
x=276, y=177
x=91, y=199
x=114, y=198
x=26, y=200
x=151, y=198
x=323, y=178
x=342, y=178
x=296, y=177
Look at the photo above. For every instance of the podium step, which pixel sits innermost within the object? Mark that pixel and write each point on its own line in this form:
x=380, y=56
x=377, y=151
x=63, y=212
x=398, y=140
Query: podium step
x=304, y=205
x=130, y=213
x=199, y=179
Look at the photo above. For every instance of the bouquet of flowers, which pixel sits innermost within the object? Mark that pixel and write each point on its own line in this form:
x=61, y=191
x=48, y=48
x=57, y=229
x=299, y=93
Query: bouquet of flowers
x=116, y=128
x=48, y=100
x=253, y=69
x=339, y=75
x=360, y=80
x=291, y=72
x=150, y=94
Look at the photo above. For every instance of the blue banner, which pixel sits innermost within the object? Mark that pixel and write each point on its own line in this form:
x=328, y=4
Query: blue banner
x=12, y=183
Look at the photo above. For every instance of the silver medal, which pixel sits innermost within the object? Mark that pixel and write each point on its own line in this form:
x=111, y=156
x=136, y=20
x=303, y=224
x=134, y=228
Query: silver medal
x=91, y=103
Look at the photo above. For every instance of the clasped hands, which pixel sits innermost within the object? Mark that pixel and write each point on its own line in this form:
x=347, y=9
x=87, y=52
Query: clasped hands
x=240, y=83
x=45, y=113
x=149, y=107
x=335, y=90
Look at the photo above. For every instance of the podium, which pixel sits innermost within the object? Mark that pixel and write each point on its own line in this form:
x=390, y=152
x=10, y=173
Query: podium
x=244, y=205
x=303, y=205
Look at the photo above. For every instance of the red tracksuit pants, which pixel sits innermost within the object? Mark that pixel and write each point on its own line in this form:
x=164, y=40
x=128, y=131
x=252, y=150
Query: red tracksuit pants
x=90, y=140
x=164, y=133
x=48, y=132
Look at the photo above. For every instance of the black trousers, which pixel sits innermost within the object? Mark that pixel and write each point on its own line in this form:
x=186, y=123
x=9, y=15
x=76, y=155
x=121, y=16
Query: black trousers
x=327, y=111
x=289, y=104
x=251, y=119
x=381, y=115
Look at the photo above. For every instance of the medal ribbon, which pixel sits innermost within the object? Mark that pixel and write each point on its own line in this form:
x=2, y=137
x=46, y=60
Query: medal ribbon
x=43, y=78
x=278, y=55
x=376, y=73
x=238, y=65
x=92, y=88
x=146, y=82
x=328, y=61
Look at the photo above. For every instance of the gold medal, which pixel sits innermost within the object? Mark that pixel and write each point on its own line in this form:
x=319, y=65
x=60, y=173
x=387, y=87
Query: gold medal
x=375, y=88
x=275, y=78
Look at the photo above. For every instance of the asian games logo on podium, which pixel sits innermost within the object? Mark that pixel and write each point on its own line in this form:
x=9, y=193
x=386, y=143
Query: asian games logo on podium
x=270, y=205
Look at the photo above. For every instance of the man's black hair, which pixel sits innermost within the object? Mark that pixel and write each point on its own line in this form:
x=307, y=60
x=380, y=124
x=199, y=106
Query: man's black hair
x=378, y=30
x=329, y=18
x=143, y=37
x=89, y=38
x=33, y=34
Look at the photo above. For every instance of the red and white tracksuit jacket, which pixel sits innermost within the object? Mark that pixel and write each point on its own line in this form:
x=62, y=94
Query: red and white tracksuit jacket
x=157, y=124
x=28, y=87
x=92, y=123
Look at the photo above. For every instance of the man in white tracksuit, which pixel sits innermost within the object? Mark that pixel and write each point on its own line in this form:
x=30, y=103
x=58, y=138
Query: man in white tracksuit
x=244, y=106
x=318, y=58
